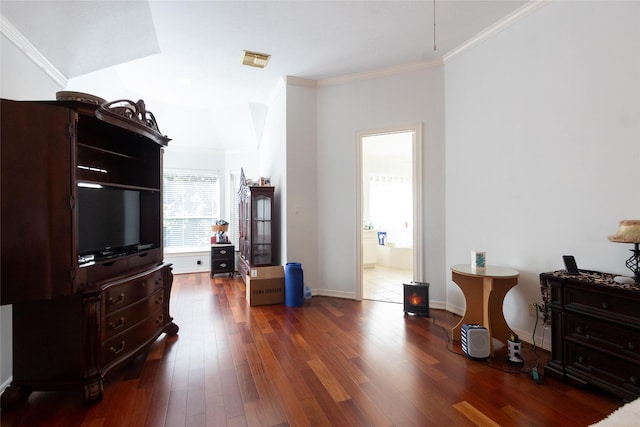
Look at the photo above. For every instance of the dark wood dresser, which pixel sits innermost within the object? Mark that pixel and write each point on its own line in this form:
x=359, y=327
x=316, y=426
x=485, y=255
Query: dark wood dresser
x=595, y=324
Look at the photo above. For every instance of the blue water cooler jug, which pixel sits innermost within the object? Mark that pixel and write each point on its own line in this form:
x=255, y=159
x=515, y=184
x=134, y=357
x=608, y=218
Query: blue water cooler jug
x=293, y=284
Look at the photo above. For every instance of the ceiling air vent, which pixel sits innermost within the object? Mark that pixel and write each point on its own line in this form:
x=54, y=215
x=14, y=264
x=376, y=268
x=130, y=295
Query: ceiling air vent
x=255, y=59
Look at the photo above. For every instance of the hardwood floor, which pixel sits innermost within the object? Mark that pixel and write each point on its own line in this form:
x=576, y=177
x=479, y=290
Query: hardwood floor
x=333, y=362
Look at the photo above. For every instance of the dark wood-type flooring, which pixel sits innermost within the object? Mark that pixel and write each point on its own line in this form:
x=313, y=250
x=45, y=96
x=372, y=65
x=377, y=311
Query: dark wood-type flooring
x=333, y=362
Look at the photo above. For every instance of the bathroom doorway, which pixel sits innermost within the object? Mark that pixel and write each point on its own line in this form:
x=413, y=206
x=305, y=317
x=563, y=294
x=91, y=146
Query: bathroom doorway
x=389, y=189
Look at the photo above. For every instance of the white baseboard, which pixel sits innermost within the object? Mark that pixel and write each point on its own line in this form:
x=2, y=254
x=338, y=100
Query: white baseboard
x=335, y=294
x=5, y=384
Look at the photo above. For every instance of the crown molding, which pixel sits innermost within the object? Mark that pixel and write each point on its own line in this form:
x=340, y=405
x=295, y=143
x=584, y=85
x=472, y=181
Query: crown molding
x=499, y=26
x=489, y=32
x=299, y=81
x=379, y=73
x=21, y=42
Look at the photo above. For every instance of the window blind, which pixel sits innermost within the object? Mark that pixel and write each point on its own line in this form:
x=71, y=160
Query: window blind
x=191, y=205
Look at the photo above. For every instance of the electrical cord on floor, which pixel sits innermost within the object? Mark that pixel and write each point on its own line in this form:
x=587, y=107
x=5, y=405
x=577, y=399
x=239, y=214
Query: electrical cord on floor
x=534, y=372
x=530, y=372
x=449, y=342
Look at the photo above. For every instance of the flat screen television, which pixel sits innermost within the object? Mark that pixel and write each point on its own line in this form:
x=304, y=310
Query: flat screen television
x=108, y=220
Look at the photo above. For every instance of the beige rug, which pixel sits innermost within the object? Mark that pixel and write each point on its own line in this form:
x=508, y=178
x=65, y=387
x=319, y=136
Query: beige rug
x=625, y=416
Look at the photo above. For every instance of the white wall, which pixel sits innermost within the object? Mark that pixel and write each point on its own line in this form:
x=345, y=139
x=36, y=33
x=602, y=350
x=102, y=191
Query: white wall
x=273, y=164
x=21, y=80
x=543, y=146
x=300, y=207
x=395, y=100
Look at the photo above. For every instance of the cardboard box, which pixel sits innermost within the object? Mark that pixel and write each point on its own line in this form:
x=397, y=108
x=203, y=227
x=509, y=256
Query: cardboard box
x=265, y=285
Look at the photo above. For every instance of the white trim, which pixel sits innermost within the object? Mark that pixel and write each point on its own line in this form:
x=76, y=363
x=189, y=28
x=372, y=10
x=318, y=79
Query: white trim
x=201, y=269
x=418, y=242
x=187, y=251
x=399, y=69
x=299, y=81
x=359, y=219
x=334, y=294
x=21, y=42
x=6, y=384
x=499, y=26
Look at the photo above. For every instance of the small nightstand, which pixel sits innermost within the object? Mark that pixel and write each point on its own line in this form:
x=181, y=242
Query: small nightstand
x=222, y=258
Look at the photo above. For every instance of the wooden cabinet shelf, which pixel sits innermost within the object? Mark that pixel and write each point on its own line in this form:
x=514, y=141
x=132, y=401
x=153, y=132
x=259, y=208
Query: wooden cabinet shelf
x=78, y=311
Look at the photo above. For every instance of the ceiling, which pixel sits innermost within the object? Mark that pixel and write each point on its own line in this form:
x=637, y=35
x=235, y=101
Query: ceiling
x=184, y=57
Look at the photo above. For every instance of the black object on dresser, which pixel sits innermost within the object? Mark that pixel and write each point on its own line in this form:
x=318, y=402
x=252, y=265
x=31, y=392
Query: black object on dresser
x=84, y=301
x=595, y=324
x=222, y=259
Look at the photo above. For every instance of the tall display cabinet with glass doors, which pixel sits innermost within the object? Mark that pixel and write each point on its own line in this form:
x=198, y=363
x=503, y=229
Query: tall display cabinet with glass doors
x=256, y=230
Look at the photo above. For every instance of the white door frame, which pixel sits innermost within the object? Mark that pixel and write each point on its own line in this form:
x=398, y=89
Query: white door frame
x=418, y=267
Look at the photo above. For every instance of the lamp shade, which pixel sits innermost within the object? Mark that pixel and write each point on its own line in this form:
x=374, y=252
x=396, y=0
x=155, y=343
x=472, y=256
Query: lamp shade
x=628, y=232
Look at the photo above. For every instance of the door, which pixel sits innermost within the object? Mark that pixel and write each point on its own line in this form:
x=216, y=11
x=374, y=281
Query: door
x=37, y=241
x=389, y=188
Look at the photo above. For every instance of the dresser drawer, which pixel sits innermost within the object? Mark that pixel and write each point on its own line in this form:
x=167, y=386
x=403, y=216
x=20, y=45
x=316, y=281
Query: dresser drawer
x=106, y=269
x=120, y=320
x=618, y=339
x=224, y=265
x=620, y=308
x=220, y=252
x=121, y=293
x=149, y=257
x=133, y=339
x=592, y=366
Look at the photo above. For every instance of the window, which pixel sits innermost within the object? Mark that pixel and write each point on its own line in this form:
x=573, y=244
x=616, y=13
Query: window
x=191, y=205
x=391, y=207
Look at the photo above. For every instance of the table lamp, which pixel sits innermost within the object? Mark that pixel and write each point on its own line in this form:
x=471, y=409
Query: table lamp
x=629, y=232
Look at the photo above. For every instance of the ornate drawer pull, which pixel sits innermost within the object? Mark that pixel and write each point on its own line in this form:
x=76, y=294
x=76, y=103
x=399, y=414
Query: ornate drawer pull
x=223, y=252
x=118, y=325
x=633, y=380
x=579, y=330
x=117, y=350
x=159, y=319
x=117, y=301
x=604, y=305
x=160, y=299
x=580, y=359
x=223, y=265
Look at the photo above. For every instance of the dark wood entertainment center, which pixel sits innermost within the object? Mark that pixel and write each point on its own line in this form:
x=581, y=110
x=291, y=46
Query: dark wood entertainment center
x=77, y=316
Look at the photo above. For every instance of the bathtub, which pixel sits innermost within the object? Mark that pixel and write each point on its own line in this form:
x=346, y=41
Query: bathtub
x=392, y=256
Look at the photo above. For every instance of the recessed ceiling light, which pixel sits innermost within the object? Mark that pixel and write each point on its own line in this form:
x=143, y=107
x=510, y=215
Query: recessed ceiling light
x=255, y=59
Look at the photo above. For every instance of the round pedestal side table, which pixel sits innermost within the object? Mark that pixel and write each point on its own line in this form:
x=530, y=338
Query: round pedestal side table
x=484, y=293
